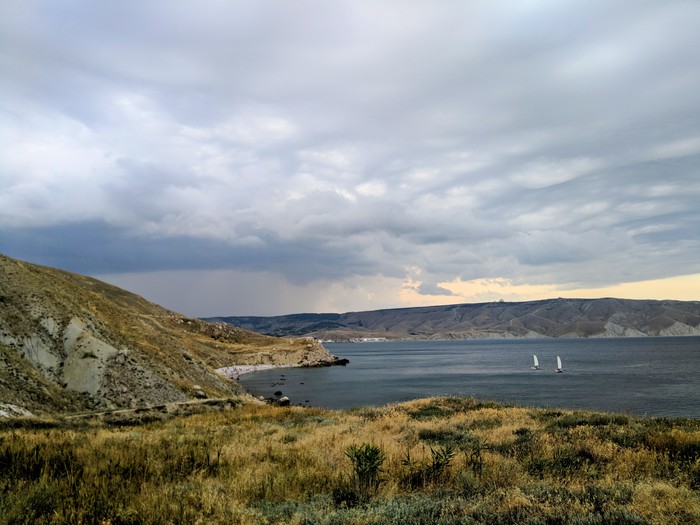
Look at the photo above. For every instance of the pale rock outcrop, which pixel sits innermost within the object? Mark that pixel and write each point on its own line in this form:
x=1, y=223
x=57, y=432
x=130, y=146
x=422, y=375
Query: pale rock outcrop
x=39, y=350
x=677, y=329
x=86, y=358
x=615, y=330
x=9, y=410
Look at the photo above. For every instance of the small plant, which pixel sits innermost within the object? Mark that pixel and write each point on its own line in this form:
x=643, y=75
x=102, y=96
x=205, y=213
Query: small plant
x=367, y=462
x=421, y=473
x=468, y=483
x=472, y=456
x=522, y=447
x=440, y=460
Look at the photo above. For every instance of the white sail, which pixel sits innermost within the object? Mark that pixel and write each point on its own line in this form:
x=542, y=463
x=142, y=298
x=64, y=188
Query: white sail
x=559, y=368
x=536, y=365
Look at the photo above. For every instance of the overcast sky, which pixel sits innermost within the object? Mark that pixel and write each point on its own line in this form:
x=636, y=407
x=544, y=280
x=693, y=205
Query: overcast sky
x=270, y=157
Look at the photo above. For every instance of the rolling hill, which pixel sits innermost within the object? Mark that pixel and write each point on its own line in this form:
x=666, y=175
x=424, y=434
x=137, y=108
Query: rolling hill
x=606, y=317
x=70, y=343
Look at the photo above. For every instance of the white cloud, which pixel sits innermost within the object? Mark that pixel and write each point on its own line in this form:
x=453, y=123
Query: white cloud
x=678, y=148
x=343, y=142
x=543, y=173
x=372, y=188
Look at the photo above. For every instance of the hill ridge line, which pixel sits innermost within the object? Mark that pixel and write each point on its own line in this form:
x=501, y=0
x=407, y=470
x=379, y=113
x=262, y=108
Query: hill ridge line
x=542, y=318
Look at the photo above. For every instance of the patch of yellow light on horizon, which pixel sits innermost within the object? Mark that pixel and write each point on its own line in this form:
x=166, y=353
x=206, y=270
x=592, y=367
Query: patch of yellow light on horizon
x=485, y=290
x=681, y=288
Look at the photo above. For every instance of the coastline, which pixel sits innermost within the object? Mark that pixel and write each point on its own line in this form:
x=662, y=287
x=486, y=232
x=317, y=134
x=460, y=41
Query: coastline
x=236, y=371
x=500, y=371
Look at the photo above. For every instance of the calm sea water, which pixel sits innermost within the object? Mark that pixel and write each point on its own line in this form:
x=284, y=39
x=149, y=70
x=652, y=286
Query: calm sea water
x=643, y=376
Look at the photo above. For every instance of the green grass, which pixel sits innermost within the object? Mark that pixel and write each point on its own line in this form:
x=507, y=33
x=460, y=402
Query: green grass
x=434, y=461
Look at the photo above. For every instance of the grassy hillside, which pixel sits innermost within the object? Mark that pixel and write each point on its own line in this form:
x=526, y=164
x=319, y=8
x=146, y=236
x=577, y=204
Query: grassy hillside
x=434, y=461
x=69, y=342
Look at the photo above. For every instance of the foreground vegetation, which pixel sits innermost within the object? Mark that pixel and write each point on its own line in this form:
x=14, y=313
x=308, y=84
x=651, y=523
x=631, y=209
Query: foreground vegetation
x=433, y=461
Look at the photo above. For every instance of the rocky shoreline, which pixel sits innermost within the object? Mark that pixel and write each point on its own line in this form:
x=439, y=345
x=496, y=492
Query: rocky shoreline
x=235, y=371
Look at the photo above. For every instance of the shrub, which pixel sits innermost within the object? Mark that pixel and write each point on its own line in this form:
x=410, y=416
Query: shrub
x=457, y=436
x=420, y=473
x=367, y=462
x=430, y=411
x=564, y=422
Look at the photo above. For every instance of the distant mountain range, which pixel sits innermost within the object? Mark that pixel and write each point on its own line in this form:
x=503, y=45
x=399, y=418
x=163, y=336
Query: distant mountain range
x=606, y=317
x=71, y=343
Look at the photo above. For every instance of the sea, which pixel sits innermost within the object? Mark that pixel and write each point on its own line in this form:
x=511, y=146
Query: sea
x=649, y=376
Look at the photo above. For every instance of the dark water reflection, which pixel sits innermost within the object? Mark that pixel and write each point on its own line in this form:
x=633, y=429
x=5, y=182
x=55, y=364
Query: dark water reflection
x=643, y=376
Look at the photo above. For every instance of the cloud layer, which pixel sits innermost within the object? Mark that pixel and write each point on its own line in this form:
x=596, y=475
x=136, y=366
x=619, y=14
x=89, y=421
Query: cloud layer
x=323, y=142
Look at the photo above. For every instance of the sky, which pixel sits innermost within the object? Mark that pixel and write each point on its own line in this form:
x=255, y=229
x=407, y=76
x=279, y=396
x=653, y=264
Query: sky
x=266, y=157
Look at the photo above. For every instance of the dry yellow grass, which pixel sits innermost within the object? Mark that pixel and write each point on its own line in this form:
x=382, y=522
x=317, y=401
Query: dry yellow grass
x=263, y=464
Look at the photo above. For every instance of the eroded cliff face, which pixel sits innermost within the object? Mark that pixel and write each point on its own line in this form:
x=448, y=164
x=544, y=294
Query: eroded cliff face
x=68, y=342
x=308, y=353
x=68, y=353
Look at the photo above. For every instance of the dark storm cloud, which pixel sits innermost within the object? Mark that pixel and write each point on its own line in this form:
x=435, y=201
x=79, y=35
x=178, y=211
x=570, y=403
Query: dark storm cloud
x=544, y=142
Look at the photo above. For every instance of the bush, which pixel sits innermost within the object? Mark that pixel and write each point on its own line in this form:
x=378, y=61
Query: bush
x=367, y=462
x=419, y=474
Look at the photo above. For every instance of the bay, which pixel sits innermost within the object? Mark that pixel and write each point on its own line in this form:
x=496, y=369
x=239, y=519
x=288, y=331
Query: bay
x=651, y=376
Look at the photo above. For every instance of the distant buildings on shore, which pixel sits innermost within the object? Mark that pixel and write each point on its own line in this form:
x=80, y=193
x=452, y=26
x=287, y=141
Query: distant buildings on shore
x=355, y=340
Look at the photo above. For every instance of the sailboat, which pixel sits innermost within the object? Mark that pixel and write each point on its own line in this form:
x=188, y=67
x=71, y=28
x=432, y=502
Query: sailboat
x=559, y=369
x=536, y=366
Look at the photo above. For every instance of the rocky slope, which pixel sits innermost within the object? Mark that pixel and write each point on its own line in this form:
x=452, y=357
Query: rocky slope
x=69, y=343
x=549, y=318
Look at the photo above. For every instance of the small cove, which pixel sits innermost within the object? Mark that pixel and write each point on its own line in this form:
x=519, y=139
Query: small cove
x=651, y=376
